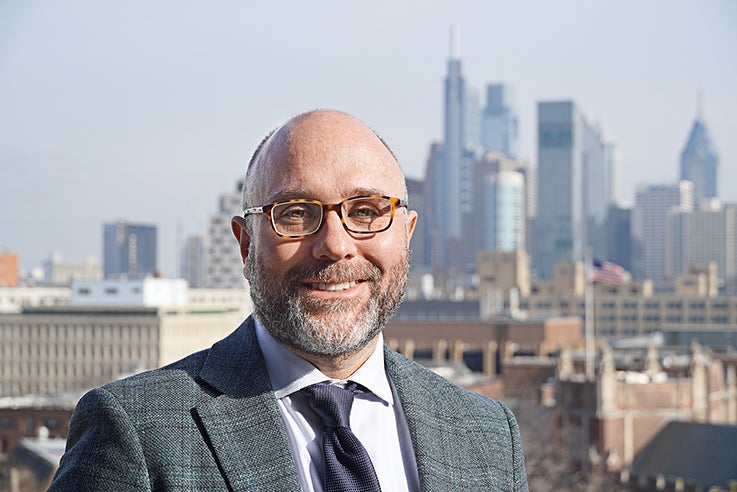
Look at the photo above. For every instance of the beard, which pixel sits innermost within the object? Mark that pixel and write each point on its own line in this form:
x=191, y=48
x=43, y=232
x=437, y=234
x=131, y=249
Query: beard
x=318, y=326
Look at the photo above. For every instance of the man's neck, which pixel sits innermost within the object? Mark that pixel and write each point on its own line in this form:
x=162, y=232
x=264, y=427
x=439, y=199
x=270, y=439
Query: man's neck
x=339, y=366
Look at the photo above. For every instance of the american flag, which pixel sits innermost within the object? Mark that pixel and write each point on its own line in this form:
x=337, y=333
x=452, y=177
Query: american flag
x=607, y=271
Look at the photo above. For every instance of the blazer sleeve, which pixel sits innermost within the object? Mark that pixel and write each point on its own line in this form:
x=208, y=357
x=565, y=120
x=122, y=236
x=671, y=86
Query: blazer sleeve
x=103, y=451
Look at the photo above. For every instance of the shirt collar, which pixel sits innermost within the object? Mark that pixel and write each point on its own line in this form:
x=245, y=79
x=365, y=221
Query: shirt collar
x=289, y=372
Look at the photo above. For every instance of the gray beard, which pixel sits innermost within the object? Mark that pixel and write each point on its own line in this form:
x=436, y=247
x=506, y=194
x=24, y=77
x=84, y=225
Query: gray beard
x=324, y=328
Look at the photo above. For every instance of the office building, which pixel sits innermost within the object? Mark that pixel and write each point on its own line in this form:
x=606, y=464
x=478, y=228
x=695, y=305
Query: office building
x=419, y=246
x=703, y=236
x=110, y=329
x=618, y=236
x=192, y=267
x=223, y=263
x=8, y=269
x=432, y=209
x=452, y=174
x=694, y=309
x=499, y=121
x=15, y=299
x=498, y=219
x=58, y=271
x=653, y=204
x=129, y=250
x=574, y=186
x=699, y=162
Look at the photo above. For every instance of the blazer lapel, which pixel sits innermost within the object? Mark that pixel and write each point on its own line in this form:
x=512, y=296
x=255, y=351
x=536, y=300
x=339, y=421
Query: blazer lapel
x=434, y=448
x=241, y=423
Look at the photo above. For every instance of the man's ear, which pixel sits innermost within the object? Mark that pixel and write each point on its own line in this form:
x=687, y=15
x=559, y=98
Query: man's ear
x=240, y=231
x=411, y=222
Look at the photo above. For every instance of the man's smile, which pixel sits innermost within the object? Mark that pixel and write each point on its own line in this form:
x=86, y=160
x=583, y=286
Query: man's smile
x=332, y=287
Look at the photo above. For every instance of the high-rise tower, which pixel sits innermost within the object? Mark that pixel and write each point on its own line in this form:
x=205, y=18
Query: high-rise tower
x=702, y=236
x=574, y=186
x=499, y=121
x=452, y=196
x=699, y=162
x=223, y=264
x=653, y=204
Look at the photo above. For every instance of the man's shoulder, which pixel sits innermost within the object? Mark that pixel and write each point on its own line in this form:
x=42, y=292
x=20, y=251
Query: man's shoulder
x=424, y=383
x=172, y=378
x=186, y=372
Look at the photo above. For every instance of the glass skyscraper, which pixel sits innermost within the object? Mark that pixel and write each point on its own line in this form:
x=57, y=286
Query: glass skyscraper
x=499, y=121
x=451, y=171
x=699, y=162
x=575, y=187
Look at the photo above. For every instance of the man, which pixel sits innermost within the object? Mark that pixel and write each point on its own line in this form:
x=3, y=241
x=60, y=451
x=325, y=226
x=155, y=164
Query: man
x=325, y=242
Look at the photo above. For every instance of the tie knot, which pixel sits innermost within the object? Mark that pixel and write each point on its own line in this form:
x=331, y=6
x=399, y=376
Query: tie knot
x=332, y=403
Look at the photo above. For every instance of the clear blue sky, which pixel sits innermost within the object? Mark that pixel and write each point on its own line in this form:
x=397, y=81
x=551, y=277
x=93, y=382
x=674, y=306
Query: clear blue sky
x=148, y=111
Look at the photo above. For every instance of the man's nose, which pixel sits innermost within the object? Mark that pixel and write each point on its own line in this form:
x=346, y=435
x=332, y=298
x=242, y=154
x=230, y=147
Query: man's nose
x=333, y=241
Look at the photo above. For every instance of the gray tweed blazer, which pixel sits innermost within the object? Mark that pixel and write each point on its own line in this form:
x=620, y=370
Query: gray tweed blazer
x=211, y=422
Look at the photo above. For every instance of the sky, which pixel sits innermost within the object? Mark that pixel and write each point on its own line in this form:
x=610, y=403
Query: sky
x=149, y=111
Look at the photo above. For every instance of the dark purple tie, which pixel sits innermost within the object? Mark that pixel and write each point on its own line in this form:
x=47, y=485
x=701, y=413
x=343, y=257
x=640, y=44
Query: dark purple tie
x=347, y=464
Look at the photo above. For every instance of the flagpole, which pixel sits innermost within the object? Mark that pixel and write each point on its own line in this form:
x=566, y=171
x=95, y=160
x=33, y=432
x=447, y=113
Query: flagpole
x=589, y=313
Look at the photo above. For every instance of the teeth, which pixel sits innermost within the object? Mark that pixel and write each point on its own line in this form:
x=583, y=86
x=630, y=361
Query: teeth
x=334, y=287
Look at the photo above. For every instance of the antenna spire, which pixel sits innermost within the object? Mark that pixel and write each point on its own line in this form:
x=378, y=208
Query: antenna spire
x=455, y=42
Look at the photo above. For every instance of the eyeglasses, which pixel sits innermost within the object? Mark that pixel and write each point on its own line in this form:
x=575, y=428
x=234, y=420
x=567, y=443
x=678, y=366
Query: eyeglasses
x=368, y=214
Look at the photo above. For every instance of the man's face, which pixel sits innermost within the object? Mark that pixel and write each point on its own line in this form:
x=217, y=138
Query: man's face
x=331, y=292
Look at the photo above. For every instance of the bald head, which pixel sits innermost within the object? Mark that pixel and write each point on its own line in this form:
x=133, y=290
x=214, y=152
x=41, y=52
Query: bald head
x=319, y=139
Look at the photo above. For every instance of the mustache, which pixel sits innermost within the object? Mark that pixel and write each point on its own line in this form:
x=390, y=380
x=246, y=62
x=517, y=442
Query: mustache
x=333, y=273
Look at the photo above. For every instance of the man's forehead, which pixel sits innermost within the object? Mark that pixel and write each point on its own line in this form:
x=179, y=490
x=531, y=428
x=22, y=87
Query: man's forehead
x=321, y=147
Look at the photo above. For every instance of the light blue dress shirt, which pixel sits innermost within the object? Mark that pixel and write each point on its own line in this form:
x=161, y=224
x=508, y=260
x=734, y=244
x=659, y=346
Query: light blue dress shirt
x=376, y=420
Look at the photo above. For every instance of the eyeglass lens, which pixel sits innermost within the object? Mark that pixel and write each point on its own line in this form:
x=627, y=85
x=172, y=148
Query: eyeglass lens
x=358, y=214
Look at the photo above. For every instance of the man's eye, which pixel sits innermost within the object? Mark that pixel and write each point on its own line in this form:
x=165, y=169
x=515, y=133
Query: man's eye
x=294, y=212
x=365, y=212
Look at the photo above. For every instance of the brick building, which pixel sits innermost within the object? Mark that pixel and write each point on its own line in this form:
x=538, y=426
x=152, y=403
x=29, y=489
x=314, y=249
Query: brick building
x=25, y=416
x=609, y=420
x=8, y=269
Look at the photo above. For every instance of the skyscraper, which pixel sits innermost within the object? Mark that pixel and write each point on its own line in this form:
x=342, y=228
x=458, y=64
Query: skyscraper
x=499, y=121
x=192, y=267
x=420, y=256
x=703, y=236
x=699, y=162
x=574, y=186
x=618, y=236
x=129, y=250
x=452, y=194
x=653, y=204
x=499, y=218
x=223, y=263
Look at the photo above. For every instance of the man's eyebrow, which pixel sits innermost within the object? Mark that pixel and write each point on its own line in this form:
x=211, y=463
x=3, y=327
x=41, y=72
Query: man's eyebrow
x=288, y=194
x=299, y=193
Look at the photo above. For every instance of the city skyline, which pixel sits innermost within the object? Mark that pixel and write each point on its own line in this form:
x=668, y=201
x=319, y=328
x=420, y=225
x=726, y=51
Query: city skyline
x=148, y=113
